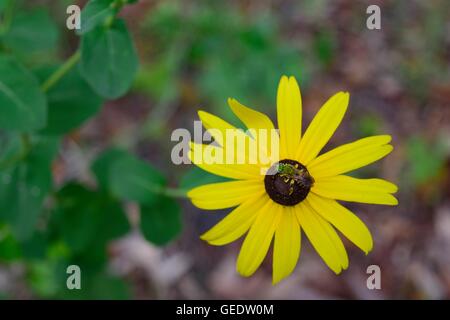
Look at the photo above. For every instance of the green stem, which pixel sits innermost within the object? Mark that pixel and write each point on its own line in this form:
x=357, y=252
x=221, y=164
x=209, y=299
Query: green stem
x=61, y=71
x=109, y=21
x=117, y=6
x=72, y=61
x=174, y=192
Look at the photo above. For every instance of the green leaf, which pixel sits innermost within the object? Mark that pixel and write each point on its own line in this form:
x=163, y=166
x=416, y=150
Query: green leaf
x=108, y=60
x=9, y=247
x=88, y=220
x=10, y=149
x=9, y=250
x=102, y=166
x=70, y=102
x=24, y=187
x=76, y=216
x=114, y=224
x=104, y=286
x=23, y=105
x=97, y=285
x=134, y=179
x=325, y=47
x=161, y=222
x=94, y=14
x=41, y=278
x=31, y=31
x=3, y=4
x=35, y=248
x=426, y=159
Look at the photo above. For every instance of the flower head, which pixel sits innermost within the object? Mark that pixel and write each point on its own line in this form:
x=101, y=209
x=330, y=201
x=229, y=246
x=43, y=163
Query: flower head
x=299, y=188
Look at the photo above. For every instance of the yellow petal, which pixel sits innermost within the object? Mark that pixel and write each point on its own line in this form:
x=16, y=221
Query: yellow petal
x=376, y=191
x=251, y=118
x=322, y=127
x=211, y=121
x=257, y=122
x=286, y=248
x=235, y=142
x=225, y=194
x=201, y=157
x=218, y=128
x=258, y=239
x=322, y=237
x=236, y=223
x=334, y=238
x=289, y=115
x=350, y=156
x=344, y=220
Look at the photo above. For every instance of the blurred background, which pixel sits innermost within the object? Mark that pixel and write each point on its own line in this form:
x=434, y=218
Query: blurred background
x=194, y=55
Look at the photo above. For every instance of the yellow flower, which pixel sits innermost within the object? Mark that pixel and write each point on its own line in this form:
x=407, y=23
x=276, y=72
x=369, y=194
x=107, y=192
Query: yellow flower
x=300, y=195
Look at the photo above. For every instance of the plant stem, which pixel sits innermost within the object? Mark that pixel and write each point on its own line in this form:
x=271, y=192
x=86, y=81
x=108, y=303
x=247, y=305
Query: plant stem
x=61, y=71
x=117, y=6
x=72, y=61
x=174, y=192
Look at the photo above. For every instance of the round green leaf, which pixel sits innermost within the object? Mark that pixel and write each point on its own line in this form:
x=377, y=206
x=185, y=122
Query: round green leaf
x=102, y=166
x=134, y=179
x=35, y=248
x=94, y=13
x=161, y=222
x=23, y=105
x=70, y=103
x=31, y=31
x=76, y=216
x=11, y=149
x=108, y=59
x=9, y=248
x=87, y=220
x=24, y=187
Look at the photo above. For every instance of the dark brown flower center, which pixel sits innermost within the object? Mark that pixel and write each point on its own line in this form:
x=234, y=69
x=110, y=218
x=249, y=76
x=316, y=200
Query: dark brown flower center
x=288, y=182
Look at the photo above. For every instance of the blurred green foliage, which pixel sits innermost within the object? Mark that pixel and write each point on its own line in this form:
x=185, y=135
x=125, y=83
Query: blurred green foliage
x=31, y=32
x=48, y=227
x=422, y=44
x=426, y=160
x=219, y=51
x=70, y=102
x=23, y=104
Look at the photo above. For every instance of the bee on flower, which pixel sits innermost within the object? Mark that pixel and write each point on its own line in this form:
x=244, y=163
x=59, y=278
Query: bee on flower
x=299, y=193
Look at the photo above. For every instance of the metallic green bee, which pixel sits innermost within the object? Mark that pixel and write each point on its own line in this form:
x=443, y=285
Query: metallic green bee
x=292, y=174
